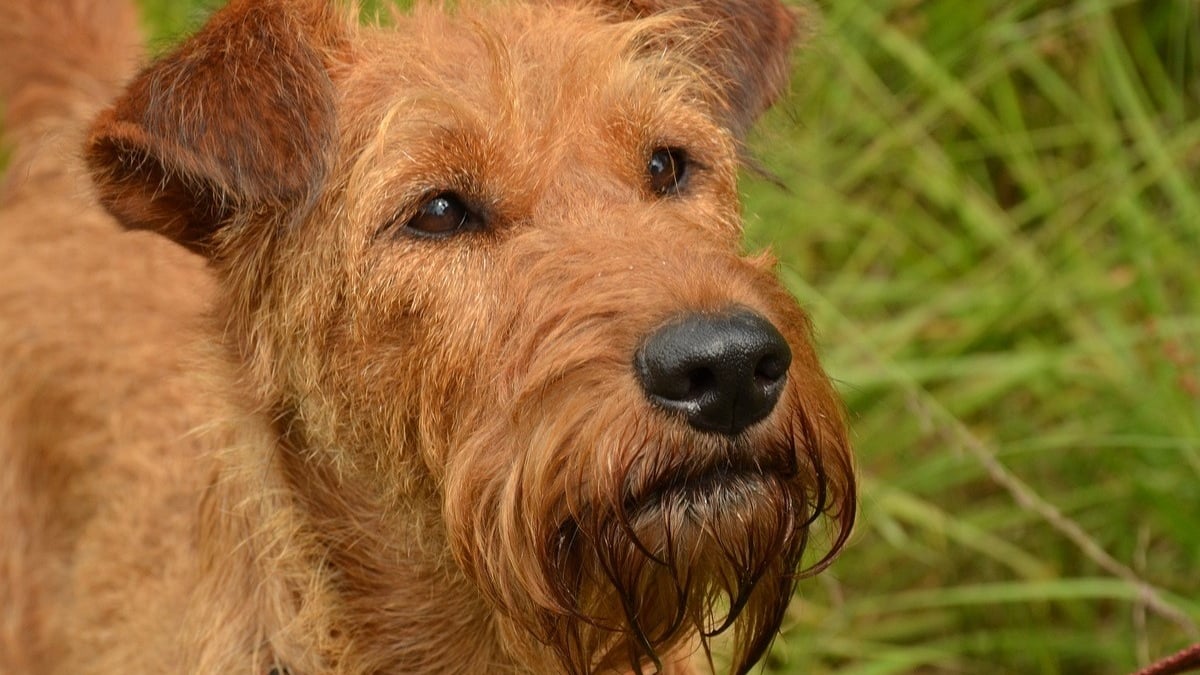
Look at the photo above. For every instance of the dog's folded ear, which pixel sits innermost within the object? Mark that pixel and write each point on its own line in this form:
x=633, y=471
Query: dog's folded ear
x=745, y=44
x=239, y=117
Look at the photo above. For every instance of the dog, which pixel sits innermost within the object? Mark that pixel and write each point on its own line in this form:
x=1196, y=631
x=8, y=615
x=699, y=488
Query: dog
x=421, y=346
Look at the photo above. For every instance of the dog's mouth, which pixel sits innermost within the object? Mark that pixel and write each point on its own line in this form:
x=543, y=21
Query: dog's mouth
x=711, y=485
x=702, y=492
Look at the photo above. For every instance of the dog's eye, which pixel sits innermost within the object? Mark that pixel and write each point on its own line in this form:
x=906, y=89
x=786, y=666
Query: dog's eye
x=442, y=215
x=667, y=170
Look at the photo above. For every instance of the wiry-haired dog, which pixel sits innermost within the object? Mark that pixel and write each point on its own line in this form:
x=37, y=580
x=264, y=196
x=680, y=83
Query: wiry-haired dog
x=440, y=355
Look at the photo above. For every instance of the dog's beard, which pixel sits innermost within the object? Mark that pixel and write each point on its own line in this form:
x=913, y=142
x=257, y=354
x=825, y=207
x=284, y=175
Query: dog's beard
x=688, y=561
x=613, y=545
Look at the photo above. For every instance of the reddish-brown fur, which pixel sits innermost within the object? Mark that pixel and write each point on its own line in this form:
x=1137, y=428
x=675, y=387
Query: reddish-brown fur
x=310, y=439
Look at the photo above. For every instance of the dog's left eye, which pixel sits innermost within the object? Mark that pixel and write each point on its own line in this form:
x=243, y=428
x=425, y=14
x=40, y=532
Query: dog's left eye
x=441, y=216
x=667, y=170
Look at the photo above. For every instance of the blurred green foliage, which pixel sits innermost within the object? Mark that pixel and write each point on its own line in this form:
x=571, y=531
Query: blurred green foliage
x=993, y=214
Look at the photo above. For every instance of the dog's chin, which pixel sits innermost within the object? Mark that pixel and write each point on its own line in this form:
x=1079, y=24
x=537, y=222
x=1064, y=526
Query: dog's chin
x=687, y=556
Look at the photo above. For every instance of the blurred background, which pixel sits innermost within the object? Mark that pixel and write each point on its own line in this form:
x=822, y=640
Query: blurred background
x=992, y=210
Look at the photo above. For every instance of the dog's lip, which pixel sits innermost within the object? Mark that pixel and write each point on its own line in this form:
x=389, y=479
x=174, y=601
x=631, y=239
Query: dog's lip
x=690, y=485
x=698, y=490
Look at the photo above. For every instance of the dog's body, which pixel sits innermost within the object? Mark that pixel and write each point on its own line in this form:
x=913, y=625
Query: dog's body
x=406, y=412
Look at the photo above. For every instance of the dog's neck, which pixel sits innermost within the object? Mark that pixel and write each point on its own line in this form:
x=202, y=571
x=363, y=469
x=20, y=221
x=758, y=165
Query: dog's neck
x=354, y=576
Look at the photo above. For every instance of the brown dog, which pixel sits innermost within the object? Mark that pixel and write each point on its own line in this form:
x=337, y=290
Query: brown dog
x=458, y=368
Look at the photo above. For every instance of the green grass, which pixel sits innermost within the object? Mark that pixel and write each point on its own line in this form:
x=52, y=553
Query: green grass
x=993, y=214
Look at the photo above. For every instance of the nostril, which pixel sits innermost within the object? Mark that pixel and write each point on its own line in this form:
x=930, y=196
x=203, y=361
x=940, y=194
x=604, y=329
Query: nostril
x=771, y=369
x=700, y=382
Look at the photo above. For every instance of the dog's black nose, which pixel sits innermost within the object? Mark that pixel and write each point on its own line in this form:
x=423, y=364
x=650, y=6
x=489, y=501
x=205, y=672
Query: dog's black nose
x=723, y=372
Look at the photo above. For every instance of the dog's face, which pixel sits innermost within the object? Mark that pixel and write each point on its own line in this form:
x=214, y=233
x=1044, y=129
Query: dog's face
x=492, y=258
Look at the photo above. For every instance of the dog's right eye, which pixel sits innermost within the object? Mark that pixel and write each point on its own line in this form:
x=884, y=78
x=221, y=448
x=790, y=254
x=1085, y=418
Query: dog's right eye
x=441, y=216
x=667, y=171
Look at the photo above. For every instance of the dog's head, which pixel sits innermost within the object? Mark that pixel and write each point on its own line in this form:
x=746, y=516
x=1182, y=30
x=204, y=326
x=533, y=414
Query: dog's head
x=491, y=257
